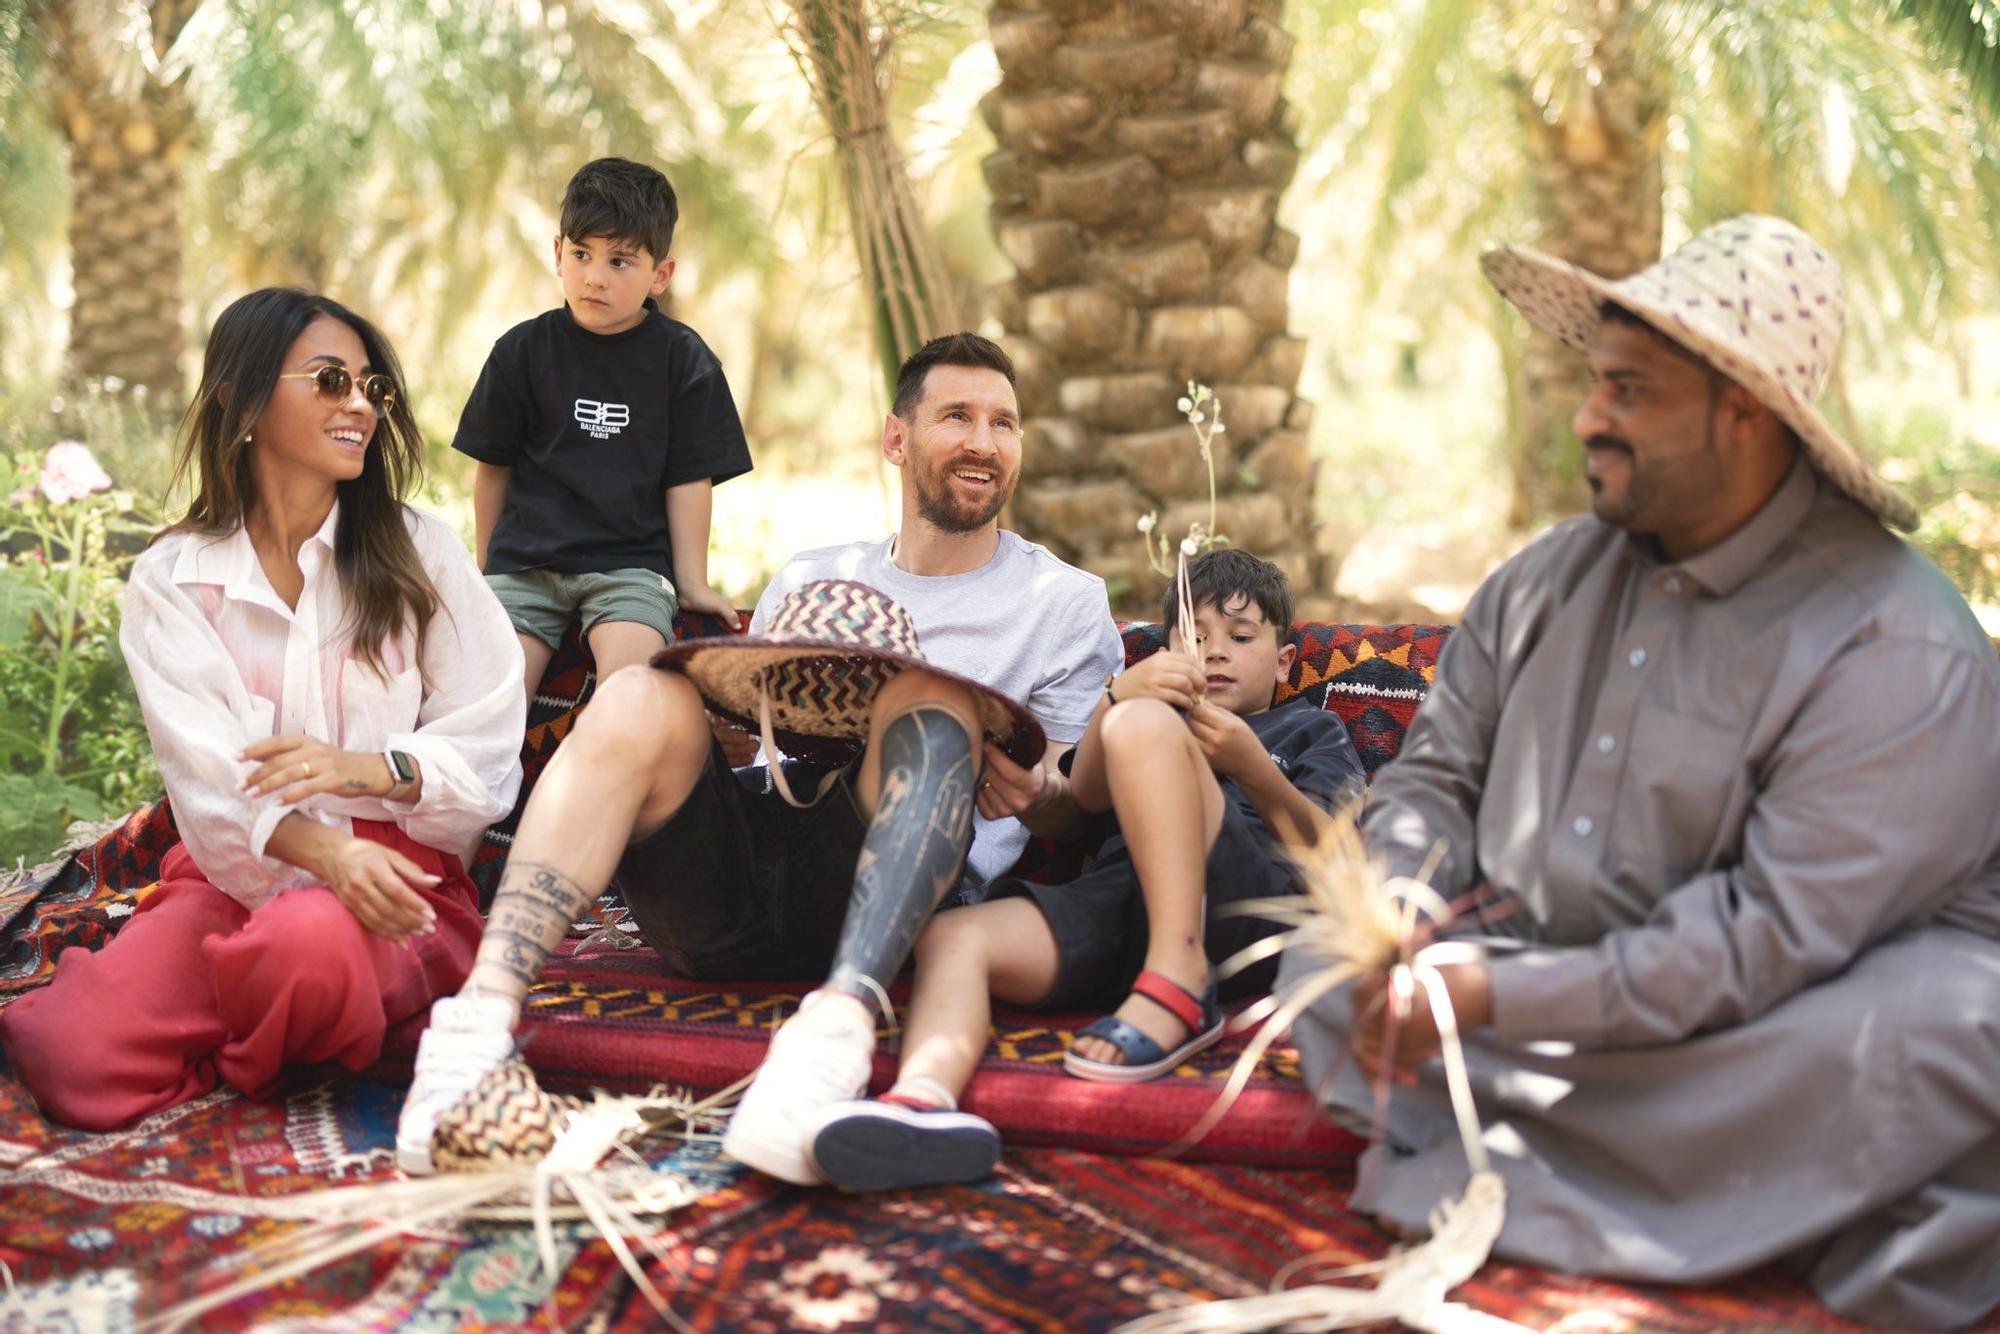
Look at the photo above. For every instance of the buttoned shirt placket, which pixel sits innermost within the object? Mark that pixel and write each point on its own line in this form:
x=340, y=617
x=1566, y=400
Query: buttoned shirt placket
x=1640, y=650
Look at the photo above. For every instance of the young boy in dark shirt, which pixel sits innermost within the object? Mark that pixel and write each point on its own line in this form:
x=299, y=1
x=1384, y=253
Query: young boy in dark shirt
x=600, y=430
x=1206, y=779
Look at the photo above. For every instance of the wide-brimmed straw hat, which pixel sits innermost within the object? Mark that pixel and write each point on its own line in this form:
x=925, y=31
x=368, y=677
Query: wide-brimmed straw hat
x=1754, y=297
x=829, y=646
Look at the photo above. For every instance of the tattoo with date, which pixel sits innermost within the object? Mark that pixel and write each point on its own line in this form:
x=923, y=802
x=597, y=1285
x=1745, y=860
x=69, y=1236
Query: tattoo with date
x=532, y=911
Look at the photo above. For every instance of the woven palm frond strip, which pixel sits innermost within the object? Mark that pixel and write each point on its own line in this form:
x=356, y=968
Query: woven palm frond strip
x=1362, y=923
x=511, y=1153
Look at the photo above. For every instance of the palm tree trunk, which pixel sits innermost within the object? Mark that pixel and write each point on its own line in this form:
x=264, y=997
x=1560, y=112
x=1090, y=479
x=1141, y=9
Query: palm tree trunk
x=1594, y=144
x=127, y=129
x=1143, y=147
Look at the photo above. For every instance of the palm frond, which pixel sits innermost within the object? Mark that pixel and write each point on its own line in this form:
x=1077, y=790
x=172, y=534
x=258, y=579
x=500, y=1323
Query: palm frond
x=1967, y=33
x=587, y=1169
x=1354, y=921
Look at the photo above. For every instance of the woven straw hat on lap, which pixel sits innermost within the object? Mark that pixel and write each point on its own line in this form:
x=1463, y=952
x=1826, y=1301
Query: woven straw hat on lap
x=829, y=647
x=1754, y=297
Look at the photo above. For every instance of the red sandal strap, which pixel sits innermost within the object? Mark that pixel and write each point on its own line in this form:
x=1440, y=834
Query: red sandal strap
x=1178, y=1001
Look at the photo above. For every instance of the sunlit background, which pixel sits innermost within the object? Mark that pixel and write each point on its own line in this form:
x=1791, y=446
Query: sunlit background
x=157, y=160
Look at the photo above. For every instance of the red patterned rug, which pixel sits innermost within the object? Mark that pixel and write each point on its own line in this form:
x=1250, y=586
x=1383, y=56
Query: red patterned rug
x=101, y=1231
x=609, y=1018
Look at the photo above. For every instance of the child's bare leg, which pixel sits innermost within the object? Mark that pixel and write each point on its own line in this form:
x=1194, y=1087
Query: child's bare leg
x=914, y=1135
x=1001, y=949
x=537, y=654
x=616, y=644
x=1170, y=810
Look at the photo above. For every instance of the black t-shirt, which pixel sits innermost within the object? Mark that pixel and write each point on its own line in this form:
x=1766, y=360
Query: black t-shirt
x=596, y=427
x=1311, y=748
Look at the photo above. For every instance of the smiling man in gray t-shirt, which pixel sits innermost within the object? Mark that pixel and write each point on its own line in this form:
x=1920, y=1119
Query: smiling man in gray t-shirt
x=728, y=881
x=1023, y=622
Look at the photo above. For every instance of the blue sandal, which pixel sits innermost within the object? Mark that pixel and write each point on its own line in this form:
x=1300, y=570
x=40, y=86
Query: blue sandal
x=1144, y=1058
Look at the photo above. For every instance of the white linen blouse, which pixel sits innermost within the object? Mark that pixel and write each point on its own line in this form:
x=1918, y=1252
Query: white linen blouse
x=219, y=661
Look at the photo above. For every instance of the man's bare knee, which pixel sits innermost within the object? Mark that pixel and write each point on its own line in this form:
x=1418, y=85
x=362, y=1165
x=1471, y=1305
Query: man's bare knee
x=637, y=715
x=913, y=687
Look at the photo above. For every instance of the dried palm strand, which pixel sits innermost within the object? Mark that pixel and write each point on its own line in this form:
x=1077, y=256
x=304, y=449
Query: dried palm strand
x=511, y=1153
x=1184, y=638
x=1364, y=923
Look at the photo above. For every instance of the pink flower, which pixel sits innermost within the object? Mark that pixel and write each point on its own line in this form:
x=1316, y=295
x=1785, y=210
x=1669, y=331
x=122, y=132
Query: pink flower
x=70, y=472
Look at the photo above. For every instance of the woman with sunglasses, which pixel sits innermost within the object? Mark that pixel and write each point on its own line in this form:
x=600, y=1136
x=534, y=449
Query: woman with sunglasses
x=336, y=706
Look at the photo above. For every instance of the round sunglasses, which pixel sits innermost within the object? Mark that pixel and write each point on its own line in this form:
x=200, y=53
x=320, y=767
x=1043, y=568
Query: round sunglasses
x=335, y=383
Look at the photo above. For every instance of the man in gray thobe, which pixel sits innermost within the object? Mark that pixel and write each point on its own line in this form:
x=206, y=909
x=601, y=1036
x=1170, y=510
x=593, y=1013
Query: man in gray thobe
x=1725, y=758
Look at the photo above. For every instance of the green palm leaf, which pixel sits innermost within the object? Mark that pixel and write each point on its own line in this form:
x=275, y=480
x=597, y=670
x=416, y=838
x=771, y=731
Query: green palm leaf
x=1966, y=32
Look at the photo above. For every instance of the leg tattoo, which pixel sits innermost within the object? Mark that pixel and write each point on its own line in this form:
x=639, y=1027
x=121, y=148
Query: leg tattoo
x=532, y=911
x=914, y=848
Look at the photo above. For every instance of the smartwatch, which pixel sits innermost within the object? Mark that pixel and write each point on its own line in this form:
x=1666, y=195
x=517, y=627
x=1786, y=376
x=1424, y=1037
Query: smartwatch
x=402, y=768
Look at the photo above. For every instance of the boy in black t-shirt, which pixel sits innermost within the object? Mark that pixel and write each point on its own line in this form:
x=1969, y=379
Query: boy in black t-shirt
x=600, y=430
x=1205, y=778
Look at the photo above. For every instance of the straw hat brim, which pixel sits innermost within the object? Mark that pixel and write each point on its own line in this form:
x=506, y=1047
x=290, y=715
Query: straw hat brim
x=1563, y=300
x=820, y=694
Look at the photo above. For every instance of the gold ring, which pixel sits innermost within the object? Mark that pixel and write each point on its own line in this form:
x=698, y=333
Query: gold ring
x=307, y=766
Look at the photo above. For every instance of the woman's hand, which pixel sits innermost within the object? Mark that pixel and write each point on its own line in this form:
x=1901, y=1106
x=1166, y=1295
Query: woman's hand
x=305, y=767
x=379, y=886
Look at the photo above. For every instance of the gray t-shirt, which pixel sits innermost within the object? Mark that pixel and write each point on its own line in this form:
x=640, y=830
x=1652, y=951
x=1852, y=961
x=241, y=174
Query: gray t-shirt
x=1025, y=623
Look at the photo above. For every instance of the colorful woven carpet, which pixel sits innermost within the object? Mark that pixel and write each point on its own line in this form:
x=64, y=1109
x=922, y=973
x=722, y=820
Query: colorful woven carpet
x=101, y=1231
x=609, y=1018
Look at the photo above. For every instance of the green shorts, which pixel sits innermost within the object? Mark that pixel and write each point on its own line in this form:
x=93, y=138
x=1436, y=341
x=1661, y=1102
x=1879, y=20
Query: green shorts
x=542, y=603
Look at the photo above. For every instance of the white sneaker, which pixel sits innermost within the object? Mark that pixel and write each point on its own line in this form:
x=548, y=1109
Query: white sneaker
x=818, y=1057
x=468, y=1036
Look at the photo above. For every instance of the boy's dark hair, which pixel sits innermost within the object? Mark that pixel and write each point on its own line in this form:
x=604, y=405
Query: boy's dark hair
x=959, y=349
x=1217, y=578
x=626, y=201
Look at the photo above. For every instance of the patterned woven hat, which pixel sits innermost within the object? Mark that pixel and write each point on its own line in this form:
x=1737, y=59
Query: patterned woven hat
x=1754, y=297
x=829, y=646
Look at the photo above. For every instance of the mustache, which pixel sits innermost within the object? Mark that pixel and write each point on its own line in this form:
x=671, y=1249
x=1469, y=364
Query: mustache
x=1607, y=442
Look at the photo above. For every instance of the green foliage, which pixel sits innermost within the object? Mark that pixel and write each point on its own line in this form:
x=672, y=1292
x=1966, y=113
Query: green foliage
x=35, y=191
x=1966, y=33
x=1833, y=113
x=73, y=745
x=1956, y=481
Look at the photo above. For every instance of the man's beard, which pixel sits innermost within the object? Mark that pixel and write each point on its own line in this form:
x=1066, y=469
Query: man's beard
x=936, y=507
x=1660, y=493
x=1619, y=511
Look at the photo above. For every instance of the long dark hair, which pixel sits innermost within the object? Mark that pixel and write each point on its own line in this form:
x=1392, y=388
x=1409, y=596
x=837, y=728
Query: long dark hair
x=373, y=553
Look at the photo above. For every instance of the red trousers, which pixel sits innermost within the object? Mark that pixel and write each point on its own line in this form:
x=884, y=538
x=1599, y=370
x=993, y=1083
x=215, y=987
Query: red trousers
x=197, y=989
